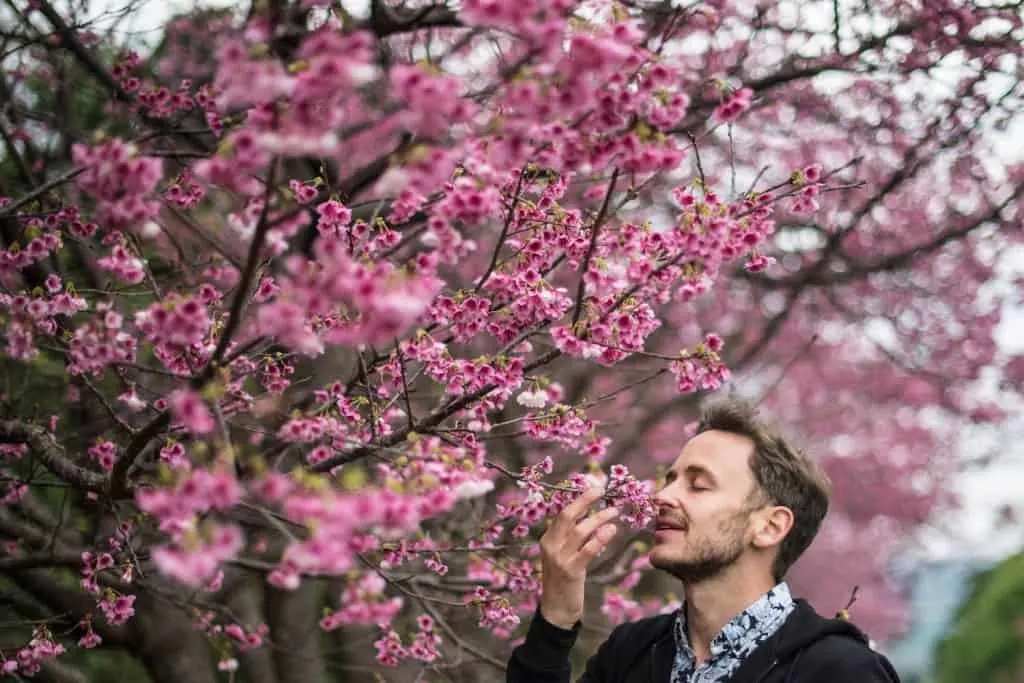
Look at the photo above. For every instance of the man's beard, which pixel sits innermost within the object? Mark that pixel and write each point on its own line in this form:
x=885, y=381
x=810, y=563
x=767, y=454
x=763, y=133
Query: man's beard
x=710, y=557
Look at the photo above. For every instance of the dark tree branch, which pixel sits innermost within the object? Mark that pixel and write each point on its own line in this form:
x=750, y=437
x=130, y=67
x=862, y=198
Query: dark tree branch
x=429, y=422
x=890, y=262
x=245, y=283
x=386, y=21
x=54, y=183
x=69, y=605
x=516, y=195
x=64, y=559
x=43, y=445
x=56, y=671
x=594, y=232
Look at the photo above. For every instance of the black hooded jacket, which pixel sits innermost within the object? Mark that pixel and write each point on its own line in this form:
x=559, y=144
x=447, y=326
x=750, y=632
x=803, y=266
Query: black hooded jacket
x=807, y=648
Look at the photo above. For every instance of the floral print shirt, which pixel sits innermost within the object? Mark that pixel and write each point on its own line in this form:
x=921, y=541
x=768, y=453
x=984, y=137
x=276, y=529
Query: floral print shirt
x=734, y=642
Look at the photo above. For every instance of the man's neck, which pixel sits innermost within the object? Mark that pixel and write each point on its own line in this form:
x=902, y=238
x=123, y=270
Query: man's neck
x=712, y=604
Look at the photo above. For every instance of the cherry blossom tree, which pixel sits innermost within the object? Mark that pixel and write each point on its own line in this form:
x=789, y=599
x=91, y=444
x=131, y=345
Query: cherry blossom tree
x=313, y=313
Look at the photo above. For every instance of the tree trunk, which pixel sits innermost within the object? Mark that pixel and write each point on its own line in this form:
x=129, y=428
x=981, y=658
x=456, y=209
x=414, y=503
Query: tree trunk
x=294, y=620
x=168, y=644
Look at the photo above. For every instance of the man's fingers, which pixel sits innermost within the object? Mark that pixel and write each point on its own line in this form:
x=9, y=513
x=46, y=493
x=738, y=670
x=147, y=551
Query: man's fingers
x=576, y=509
x=583, y=531
x=592, y=548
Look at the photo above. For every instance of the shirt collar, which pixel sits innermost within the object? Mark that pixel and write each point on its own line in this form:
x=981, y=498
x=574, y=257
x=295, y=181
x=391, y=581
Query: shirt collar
x=749, y=627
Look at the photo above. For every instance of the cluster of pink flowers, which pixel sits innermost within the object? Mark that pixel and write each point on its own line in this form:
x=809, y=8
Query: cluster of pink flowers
x=379, y=301
x=230, y=638
x=90, y=639
x=196, y=492
x=123, y=264
x=333, y=65
x=184, y=191
x=364, y=602
x=155, y=100
x=561, y=424
x=117, y=609
x=42, y=244
x=701, y=369
x=391, y=651
x=92, y=565
x=431, y=463
x=104, y=454
x=190, y=411
x=611, y=338
x=631, y=496
x=336, y=520
x=99, y=344
x=433, y=102
x=196, y=559
x=735, y=102
x=177, y=321
x=32, y=315
x=539, y=500
x=121, y=181
x=497, y=613
x=28, y=660
x=238, y=637
x=465, y=316
x=808, y=179
x=175, y=455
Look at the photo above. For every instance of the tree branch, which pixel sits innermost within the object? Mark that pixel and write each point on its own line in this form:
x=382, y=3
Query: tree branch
x=64, y=559
x=385, y=21
x=235, y=315
x=427, y=423
x=13, y=207
x=43, y=445
x=601, y=215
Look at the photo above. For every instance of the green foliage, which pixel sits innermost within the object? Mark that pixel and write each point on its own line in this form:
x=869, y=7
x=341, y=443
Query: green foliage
x=987, y=642
x=32, y=389
x=66, y=106
x=106, y=666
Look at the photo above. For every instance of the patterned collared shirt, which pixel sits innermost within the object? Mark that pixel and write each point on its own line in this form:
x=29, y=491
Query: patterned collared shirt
x=734, y=642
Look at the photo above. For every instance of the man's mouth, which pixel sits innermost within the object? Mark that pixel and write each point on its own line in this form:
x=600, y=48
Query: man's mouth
x=668, y=525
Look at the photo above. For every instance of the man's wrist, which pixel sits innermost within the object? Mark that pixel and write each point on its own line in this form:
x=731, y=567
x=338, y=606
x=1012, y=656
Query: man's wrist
x=559, y=618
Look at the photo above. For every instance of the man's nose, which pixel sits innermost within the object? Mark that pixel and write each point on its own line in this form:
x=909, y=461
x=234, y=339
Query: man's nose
x=663, y=498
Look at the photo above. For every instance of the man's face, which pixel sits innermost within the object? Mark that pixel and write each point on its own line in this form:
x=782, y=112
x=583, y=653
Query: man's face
x=704, y=507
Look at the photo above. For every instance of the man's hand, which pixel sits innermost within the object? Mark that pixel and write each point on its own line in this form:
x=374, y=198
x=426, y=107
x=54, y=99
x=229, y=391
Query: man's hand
x=566, y=550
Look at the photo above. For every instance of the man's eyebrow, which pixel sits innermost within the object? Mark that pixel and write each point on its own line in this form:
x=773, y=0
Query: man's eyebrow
x=700, y=471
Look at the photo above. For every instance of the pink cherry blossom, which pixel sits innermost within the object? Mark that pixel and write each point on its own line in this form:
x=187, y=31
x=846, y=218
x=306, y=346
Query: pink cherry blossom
x=188, y=409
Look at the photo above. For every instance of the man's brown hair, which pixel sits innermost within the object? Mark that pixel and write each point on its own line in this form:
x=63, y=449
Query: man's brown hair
x=784, y=475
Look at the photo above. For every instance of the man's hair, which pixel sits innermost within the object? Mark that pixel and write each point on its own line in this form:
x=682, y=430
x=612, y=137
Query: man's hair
x=784, y=475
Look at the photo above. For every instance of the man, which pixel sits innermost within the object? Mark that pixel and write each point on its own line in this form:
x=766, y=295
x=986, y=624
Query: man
x=737, y=509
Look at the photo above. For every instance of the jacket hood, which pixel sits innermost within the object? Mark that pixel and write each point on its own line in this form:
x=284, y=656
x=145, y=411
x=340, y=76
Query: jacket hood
x=805, y=627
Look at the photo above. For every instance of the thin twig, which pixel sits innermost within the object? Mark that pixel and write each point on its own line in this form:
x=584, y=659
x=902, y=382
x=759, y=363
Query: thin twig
x=405, y=383
x=12, y=208
x=504, y=232
x=601, y=215
x=260, y=233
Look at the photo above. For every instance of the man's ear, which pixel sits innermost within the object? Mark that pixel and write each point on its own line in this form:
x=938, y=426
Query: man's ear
x=772, y=525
